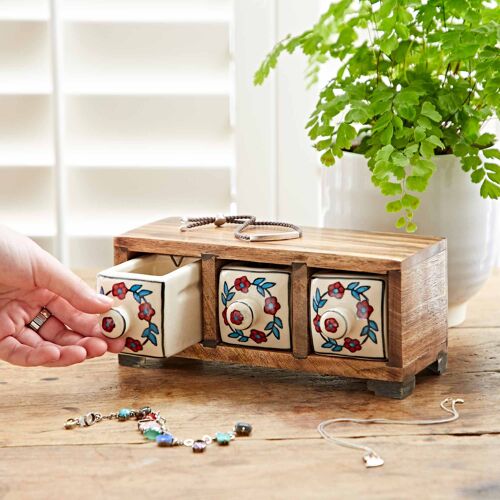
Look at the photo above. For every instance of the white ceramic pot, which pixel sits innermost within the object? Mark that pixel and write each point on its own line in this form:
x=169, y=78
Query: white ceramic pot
x=451, y=207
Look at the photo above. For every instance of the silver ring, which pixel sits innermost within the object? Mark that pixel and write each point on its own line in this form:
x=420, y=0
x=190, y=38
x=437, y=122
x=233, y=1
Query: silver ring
x=40, y=319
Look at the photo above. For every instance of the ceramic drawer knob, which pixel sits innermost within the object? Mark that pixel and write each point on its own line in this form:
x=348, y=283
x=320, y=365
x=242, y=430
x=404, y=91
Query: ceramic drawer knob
x=157, y=304
x=242, y=314
x=115, y=322
x=336, y=323
x=254, y=306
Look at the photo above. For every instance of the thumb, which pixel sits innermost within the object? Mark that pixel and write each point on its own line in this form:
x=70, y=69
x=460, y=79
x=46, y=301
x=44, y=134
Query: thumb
x=49, y=273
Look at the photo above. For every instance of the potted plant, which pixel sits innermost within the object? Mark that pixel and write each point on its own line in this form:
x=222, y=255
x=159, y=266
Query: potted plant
x=404, y=112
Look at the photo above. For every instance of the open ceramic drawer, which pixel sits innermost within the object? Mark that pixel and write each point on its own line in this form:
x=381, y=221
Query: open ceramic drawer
x=157, y=304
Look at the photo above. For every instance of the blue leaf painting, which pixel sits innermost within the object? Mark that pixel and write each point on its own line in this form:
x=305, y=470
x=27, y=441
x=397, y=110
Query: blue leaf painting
x=327, y=345
x=353, y=285
x=243, y=339
x=315, y=306
x=223, y=299
x=137, y=297
x=373, y=336
x=362, y=289
x=269, y=325
x=318, y=296
x=278, y=322
x=322, y=303
x=373, y=325
x=337, y=348
x=276, y=333
x=355, y=294
x=143, y=293
x=226, y=288
x=153, y=328
x=150, y=336
x=365, y=330
x=261, y=291
x=135, y=288
x=230, y=296
x=267, y=285
x=258, y=281
x=234, y=335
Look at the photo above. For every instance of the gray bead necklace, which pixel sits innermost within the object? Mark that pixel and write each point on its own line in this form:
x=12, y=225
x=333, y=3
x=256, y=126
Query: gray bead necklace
x=244, y=221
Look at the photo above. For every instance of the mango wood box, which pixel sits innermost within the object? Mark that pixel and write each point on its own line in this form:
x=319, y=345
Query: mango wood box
x=353, y=304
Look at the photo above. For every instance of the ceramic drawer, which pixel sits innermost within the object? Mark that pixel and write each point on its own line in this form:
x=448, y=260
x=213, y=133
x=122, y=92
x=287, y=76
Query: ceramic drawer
x=254, y=306
x=348, y=315
x=157, y=304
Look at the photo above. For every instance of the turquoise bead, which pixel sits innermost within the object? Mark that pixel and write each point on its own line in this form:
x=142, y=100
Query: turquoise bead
x=124, y=414
x=152, y=433
x=223, y=438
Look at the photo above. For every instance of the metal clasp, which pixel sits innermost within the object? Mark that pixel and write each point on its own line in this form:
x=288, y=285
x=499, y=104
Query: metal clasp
x=84, y=421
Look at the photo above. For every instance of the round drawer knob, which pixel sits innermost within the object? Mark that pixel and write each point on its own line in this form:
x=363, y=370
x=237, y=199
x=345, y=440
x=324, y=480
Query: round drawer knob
x=241, y=314
x=114, y=323
x=336, y=323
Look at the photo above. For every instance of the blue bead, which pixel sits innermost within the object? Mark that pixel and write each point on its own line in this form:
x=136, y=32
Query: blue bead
x=124, y=414
x=165, y=440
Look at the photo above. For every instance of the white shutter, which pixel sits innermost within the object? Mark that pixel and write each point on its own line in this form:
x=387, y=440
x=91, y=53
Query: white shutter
x=118, y=112
x=142, y=130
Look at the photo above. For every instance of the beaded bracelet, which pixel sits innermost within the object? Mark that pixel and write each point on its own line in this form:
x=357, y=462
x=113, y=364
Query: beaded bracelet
x=154, y=427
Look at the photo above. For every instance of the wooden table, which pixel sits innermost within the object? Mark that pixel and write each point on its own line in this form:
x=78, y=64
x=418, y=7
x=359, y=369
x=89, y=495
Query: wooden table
x=284, y=457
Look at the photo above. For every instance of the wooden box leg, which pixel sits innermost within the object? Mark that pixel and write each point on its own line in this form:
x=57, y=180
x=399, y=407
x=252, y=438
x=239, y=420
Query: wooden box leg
x=394, y=390
x=439, y=366
x=209, y=274
x=141, y=361
x=299, y=302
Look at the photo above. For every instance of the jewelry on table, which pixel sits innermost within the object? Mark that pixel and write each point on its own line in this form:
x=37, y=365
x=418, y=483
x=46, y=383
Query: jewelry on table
x=39, y=320
x=245, y=222
x=154, y=427
x=371, y=458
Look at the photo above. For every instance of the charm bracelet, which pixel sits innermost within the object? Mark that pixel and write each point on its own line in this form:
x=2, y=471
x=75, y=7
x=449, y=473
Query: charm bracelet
x=154, y=427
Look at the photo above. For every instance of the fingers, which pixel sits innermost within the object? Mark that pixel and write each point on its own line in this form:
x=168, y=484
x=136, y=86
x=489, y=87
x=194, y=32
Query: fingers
x=13, y=351
x=83, y=323
x=55, y=332
x=49, y=273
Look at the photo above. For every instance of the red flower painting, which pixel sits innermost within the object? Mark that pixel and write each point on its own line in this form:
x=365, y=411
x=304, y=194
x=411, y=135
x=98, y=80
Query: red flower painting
x=336, y=290
x=146, y=311
x=271, y=305
x=364, y=309
x=133, y=344
x=258, y=336
x=119, y=290
x=242, y=284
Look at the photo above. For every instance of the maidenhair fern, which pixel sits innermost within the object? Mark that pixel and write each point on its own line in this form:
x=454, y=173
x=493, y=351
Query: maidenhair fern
x=416, y=79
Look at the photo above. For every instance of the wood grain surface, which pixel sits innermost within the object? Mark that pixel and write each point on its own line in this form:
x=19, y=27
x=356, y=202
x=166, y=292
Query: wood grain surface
x=284, y=457
x=322, y=248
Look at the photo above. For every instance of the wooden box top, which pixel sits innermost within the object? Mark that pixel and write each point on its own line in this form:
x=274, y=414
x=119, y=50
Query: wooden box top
x=319, y=247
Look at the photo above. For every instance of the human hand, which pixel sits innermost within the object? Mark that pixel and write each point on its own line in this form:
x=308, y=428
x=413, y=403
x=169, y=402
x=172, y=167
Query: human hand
x=31, y=278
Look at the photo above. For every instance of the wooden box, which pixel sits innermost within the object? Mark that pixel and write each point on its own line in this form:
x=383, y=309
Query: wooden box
x=412, y=269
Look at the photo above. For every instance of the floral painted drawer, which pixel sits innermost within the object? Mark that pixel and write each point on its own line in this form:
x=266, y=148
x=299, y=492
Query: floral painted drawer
x=254, y=307
x=157, y=304
x=348, y=315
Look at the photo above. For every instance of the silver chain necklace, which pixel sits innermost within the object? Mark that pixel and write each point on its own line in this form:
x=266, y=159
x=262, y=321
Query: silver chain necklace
x=371, y=458
x=244, y=221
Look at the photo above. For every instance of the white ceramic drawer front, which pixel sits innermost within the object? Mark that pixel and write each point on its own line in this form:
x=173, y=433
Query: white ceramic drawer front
x=254, y=307
x=157, y=305
x=348, y=315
